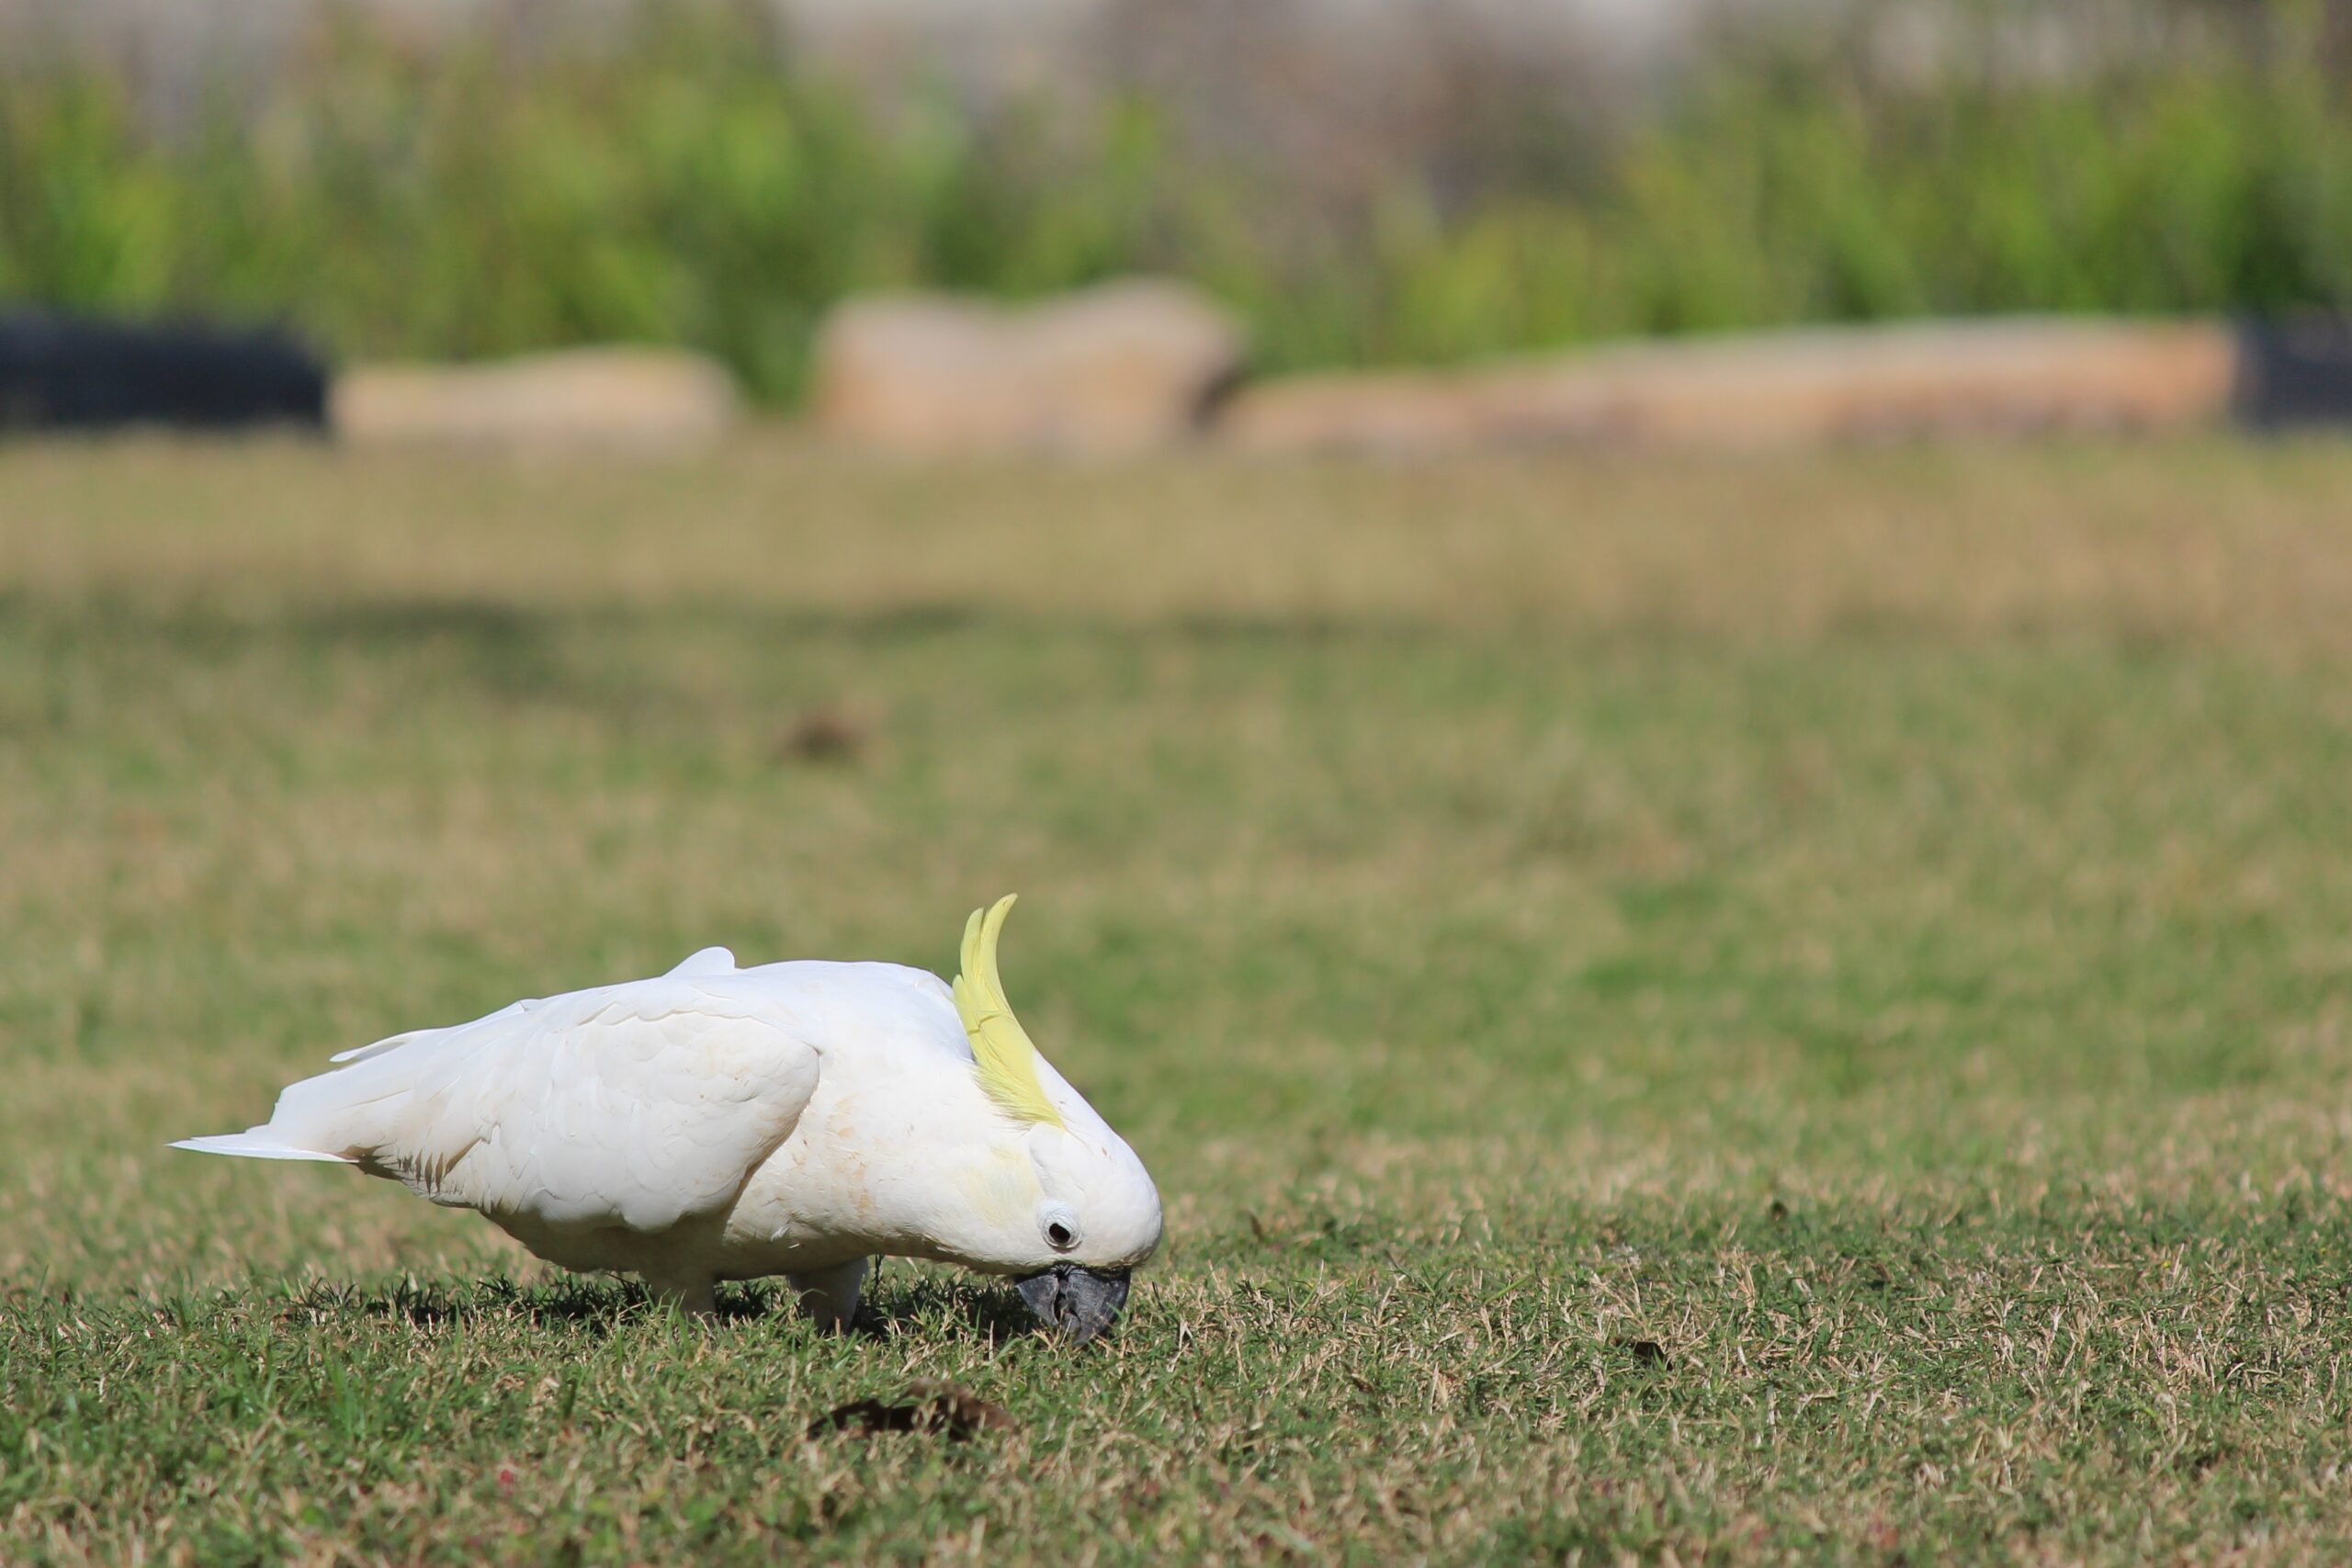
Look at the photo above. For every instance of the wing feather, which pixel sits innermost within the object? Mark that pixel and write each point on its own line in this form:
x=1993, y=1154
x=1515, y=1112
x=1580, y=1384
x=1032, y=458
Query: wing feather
x=637, y=1105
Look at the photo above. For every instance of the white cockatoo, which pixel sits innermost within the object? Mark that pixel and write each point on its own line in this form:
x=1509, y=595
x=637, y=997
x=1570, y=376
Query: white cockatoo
x=723, y=1123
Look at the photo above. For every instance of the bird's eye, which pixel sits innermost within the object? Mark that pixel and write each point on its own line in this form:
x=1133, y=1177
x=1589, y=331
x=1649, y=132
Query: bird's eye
x=1059, y=1225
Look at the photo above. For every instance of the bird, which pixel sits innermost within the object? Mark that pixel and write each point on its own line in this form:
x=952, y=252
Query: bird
x=714, y=1122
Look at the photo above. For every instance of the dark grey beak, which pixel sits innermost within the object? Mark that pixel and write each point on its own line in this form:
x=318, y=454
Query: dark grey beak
x=1079, y=1302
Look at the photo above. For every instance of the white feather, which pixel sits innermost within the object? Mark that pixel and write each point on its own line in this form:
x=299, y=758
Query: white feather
x=249, y=1146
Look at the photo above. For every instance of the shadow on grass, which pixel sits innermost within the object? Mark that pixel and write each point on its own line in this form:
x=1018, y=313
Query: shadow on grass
x=902, y=1300
x=586, y=1305
x=564, y=657
x=897, y=1303
x=498, y=629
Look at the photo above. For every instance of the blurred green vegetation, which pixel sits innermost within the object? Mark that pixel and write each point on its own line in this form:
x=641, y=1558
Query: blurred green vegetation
x=689, y=184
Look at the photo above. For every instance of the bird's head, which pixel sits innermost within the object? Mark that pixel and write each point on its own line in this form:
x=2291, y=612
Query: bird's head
x=1059, y=1201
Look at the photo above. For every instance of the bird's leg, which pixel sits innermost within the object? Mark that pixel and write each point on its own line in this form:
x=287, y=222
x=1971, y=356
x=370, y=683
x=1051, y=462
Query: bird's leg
x=829, y=1296
x=696, y=1296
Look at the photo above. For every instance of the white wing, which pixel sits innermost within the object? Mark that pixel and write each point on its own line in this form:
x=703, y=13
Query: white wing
x=635, y=1105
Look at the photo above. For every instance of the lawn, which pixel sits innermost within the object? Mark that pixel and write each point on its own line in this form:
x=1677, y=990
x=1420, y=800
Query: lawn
x=1727, y=1010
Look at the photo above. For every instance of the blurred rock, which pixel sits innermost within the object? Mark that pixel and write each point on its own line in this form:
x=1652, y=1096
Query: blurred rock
x=638, y=399
x=1774, y=389
x=1121, y=367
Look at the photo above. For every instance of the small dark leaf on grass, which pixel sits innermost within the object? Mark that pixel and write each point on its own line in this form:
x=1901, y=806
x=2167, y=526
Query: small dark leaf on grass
x=1779, y=1211
x=928, y=1405
x=825, y=735
x=1648, y=1352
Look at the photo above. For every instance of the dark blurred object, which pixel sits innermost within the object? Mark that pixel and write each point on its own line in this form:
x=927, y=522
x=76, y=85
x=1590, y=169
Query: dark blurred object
x=826, y=735
x=2295, y=372
x=931, y=1405
x=72, y=373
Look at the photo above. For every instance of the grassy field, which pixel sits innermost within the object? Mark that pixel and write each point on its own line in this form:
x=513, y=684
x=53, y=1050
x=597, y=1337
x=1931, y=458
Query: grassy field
x=1730, y=1011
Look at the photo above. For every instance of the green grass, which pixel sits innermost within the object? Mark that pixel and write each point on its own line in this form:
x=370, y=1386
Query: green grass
x=1762, y=1009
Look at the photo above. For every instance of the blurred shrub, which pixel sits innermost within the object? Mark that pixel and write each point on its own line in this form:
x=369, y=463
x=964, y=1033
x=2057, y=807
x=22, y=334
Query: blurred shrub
x=686, y=184
x=680, y=187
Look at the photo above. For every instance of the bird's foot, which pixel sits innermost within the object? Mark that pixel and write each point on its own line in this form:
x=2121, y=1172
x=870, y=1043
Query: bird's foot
x=829, y=1296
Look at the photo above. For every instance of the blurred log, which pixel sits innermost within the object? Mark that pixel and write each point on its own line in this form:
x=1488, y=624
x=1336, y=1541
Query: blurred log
x=633, y=400
x=62, y=372
x=1121, y=367
x=1774, y=390
x=2295, y=372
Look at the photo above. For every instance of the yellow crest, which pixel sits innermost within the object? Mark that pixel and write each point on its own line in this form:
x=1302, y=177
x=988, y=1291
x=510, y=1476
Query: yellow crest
x=1002, y=1050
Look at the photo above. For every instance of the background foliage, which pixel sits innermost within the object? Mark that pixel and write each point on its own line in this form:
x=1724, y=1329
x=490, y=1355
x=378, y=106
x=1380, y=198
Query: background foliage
x=691, y=183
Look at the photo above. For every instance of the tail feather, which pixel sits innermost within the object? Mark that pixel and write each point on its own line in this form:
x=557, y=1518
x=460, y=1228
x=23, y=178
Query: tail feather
x=256, y=1145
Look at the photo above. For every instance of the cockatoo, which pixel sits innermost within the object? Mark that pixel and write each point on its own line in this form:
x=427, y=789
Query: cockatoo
x=722, y=1123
